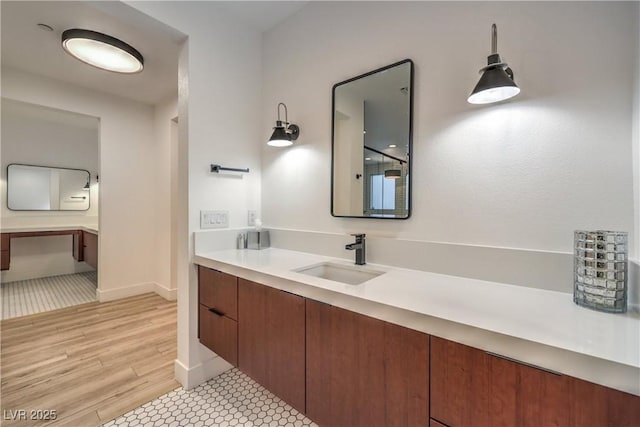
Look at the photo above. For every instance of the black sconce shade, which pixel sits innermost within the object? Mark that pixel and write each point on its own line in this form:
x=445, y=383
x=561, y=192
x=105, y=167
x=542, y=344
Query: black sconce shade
x=496, y=83
x=284, y=133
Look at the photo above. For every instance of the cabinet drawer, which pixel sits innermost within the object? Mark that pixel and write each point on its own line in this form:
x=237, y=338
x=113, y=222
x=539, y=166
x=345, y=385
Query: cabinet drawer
x=218, y=290
x=219, y=334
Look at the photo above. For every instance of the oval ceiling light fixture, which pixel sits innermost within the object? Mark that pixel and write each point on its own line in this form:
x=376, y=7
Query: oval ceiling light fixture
x=496, y=83
x=102, y=51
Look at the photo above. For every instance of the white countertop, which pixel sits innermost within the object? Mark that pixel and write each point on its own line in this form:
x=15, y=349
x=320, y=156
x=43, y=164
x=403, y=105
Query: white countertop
x=533, y=325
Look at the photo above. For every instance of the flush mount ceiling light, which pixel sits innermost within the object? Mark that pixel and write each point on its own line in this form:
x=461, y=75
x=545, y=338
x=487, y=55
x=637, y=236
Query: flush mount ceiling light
x=496, y=83
x=284, y=133
x=102, y=51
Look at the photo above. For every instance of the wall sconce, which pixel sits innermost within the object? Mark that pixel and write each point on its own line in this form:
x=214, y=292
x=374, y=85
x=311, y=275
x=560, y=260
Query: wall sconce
x=102, y=51
x=284, y=133
x=496, y=83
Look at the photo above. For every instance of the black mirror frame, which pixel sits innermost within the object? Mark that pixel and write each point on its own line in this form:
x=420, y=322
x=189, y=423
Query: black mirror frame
x=410, y=151
x=46, y=210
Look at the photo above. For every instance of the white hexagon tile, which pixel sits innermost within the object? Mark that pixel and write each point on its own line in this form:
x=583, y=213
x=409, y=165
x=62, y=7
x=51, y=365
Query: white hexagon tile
x=231, y=399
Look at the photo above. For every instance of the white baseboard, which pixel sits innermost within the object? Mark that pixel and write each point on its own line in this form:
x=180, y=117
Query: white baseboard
x=137, y=289
x=198, y=374
x=125, y=291
x=166, y=293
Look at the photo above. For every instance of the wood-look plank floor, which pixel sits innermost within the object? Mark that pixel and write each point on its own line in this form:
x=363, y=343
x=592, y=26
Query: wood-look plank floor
x=90, y=363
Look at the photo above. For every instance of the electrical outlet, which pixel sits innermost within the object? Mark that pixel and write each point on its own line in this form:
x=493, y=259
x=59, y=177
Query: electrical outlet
x=251, y=218
x=214, y=219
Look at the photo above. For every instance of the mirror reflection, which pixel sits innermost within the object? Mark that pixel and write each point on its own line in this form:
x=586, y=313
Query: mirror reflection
x=372, y=144
x=42, y=188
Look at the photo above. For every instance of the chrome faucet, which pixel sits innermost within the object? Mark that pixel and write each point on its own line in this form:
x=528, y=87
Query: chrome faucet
x=359, y=247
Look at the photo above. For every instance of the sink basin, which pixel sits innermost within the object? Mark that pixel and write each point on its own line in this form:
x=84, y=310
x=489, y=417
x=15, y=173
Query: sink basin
x=351, y=275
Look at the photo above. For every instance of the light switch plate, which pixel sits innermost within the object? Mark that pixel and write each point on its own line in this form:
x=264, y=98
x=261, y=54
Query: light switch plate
x=214, y=219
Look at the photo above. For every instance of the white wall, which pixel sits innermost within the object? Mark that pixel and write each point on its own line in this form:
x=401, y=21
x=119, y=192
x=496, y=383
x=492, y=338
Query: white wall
x=635, y=117
x=522, y=174
x=48, y=138
x=220, y=122
x=127, y=231
x=166, y=156
x=41, y=136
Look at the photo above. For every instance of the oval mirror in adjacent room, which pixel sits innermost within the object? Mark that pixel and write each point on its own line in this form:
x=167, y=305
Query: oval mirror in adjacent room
x=371, y=144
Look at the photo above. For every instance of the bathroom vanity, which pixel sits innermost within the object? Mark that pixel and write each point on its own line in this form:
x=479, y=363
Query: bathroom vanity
x=84, y=247
x=415, y=348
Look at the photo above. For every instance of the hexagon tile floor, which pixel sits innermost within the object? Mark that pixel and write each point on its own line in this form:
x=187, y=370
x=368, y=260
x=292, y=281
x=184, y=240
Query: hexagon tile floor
x=231, y=399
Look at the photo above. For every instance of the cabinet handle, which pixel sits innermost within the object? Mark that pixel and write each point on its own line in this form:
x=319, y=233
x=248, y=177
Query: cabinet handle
x=510, y=359
x=216, y=312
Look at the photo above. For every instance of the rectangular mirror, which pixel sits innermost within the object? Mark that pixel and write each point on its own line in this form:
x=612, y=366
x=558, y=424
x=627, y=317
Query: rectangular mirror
x=371, y=144
x=42, y=188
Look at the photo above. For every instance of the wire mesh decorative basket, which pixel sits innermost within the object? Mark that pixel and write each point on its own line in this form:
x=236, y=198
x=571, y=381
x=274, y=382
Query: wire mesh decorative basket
x=600, y=270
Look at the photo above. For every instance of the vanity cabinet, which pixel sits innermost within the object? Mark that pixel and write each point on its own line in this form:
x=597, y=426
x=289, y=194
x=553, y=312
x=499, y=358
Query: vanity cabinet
x=218, y=313
x=470, y=387
x=363, y=371
x=341, y=368
x=271, y=340
x=90, y=246
x=84, y=244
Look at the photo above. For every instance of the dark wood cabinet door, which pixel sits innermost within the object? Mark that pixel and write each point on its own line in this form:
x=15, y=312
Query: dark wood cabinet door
x=434, y=423
x=271, y=340
x=5, y=259
x=90, y=249
x=252, y=330
x=599, y=406
x=363, y=371
x=406, y=375
x=218, y=333
x=5, y=250
x=5, y=241
x=285, y=324
x=521, y=395
x=459, y=384
x=319, y=347
x=219, y=291
x=470, y=387
x=78, y=246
